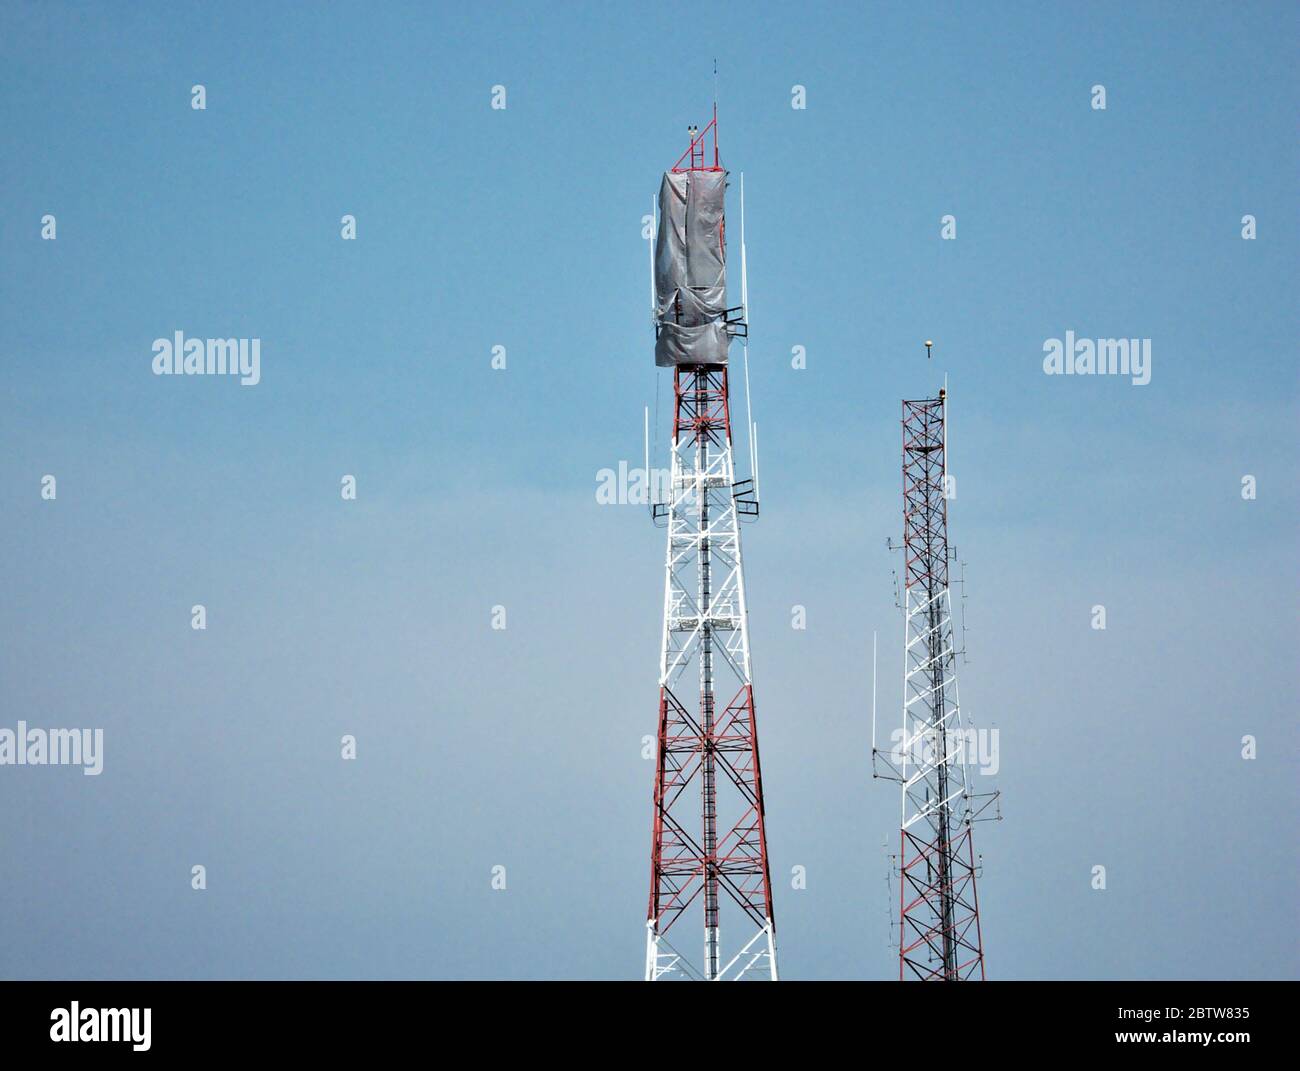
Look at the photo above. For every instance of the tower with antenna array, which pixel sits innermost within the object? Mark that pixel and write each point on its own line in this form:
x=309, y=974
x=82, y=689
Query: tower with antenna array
x=939, y=937
x=708, y=850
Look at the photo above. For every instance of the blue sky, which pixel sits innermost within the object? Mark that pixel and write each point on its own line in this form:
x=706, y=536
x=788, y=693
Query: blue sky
x=522, y=228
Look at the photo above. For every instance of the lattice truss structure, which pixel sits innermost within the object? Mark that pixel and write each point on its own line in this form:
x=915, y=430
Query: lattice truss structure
x=939, y=929
x=709, y=847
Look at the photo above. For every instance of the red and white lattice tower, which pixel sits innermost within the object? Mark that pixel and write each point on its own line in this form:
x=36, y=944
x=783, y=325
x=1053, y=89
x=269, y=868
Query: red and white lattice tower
x=708, y=853
x=939, y=925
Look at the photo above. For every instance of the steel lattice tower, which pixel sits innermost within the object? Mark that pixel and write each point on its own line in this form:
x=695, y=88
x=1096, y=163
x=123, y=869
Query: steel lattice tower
x=708, y=855
x=939, y=927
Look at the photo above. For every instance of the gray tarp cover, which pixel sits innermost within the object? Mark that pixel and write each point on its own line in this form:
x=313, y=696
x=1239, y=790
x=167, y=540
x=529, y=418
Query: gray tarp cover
x=690, y=270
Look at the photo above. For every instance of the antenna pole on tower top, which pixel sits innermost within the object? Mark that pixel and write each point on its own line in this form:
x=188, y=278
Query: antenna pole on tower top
x=716, y=157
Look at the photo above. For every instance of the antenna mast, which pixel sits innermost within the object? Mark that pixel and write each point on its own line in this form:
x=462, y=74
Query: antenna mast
x=708, y=853
x=939, y=927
